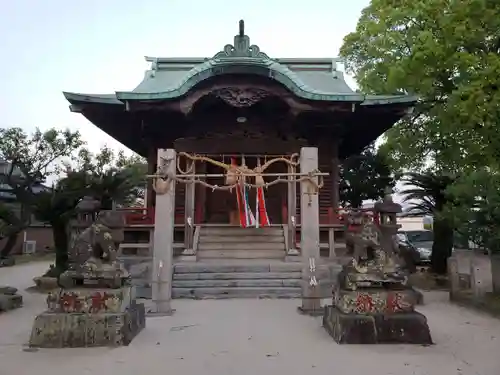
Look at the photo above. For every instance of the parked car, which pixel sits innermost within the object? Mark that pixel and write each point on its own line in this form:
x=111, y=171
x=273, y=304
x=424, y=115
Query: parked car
x=422, y=240
x=409, y=252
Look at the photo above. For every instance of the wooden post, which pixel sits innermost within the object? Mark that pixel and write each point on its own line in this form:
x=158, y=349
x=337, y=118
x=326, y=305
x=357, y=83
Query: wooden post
x=332, y=255
x=189, y=209
x=309, y=235
x=164, y=239
x=292, y=212
x=148, y=197
x=335, y=170
x=201, y=196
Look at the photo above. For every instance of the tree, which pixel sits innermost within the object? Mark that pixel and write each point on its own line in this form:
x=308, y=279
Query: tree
x=108, y=178
x=30, y=159
x=447, y=53
x=57, y=208
x=364, y=177
x=477, y=212
x=428, y=194
x=113, y=179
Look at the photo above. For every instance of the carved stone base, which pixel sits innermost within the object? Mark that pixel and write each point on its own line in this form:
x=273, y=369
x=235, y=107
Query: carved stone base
x=375, y=300
x=82, y=317
x=76, y=330
x=399, y=328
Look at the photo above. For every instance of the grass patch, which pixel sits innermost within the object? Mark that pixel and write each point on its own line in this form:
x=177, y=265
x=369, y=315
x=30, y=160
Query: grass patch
x=428, y=281
x=489, y=303
x=28, y=258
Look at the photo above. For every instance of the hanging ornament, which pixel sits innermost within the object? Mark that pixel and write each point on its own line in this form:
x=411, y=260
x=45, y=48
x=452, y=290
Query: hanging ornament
x=231, y=174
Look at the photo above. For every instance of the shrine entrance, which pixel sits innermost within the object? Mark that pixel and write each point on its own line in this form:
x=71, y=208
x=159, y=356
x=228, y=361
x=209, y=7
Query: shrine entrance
x=221, y=206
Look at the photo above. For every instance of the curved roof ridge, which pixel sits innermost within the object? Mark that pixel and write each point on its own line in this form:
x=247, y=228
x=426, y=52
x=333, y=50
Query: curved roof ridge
x=241, y=57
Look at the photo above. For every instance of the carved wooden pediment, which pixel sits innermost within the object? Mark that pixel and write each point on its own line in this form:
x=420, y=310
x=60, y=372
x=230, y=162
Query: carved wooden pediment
x=241, y=97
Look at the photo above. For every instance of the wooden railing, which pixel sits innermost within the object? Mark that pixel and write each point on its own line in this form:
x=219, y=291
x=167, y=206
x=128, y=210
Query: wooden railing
x=145, y=216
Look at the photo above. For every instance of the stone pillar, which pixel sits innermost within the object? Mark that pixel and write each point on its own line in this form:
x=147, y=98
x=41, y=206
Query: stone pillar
x=292, y=211
x=309, y=235
x=164, y=238
x=481, y=277
x=453, y=277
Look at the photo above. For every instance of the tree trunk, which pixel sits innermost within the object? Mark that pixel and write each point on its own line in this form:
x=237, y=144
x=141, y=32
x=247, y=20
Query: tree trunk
x=442, y=246
x=9, y=245
x=61, y=244
x=106, y=203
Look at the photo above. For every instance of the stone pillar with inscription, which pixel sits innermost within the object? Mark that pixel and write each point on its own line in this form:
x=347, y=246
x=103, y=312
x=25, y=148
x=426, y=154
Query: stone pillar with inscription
x=309, y=235
x=96, y=305
x=163, y=241
x=373, y=303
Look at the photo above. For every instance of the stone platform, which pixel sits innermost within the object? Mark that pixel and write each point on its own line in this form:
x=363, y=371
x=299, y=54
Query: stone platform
x=87, y=317
x=401, y=328
x=9, y=299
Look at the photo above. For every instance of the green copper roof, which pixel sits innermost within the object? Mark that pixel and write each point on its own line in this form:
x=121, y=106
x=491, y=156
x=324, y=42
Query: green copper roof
x=170, y=78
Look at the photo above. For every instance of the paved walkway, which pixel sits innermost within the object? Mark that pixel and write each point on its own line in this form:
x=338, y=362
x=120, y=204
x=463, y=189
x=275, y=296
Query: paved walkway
x=251, y=337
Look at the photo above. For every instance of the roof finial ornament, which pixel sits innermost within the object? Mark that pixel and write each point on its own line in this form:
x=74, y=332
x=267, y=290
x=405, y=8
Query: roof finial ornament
x=241, y=47
x=242, y=27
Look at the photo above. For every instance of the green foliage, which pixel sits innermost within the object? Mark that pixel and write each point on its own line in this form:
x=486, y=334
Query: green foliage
x=364, y=177
x=111, y=178
x=108, y=178
x=447, y=53
x=428, y=194
x=476, y=213
x=30, y=160
x=34, y=157
x=9, y=221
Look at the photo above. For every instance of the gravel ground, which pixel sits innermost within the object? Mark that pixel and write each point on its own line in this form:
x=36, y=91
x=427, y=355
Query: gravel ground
x=242, y=337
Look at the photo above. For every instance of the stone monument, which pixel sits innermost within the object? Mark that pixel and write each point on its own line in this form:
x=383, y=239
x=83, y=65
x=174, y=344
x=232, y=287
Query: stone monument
x=96, y=304
x=373, y=303
x=9, y=298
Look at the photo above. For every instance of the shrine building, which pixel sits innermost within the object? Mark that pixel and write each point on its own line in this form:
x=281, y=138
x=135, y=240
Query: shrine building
x=241, y=104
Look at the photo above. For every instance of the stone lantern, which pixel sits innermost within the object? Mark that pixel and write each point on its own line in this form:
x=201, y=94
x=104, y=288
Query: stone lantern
x=387, y=211
x=373, y=304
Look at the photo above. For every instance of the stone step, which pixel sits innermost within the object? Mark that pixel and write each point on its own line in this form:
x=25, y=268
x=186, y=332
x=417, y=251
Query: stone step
x=240, y=239
x=258, y=283
x=241, y=246
x=238, y=275
x=241, y=254
x=237, y=231
x=326, y=287
x=260, y=267
x=242, y=292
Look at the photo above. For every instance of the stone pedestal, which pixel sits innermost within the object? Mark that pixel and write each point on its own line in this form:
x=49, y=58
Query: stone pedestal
x=375, y=315
x=401, y=328
x=373, y=303
x=86, y=317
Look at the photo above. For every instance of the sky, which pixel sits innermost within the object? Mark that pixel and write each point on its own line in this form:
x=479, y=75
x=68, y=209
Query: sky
x=98, y=46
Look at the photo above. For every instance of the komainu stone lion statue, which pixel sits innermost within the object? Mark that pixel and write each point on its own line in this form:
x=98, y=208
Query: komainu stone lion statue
x=92, y=256
x=363, y=241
